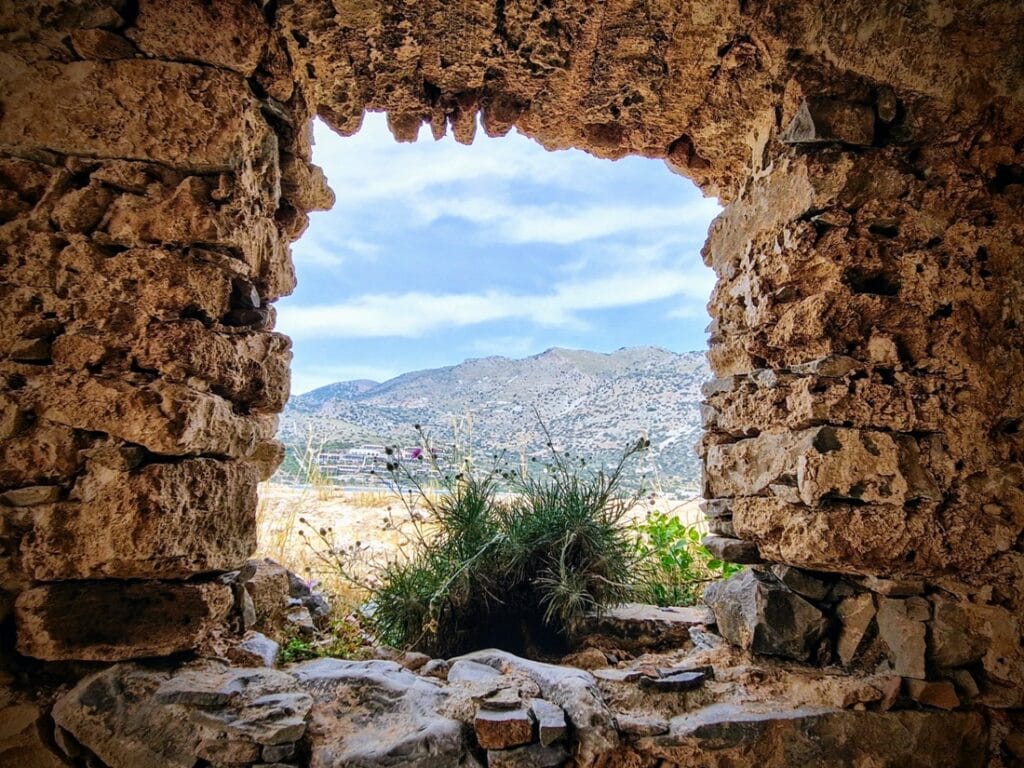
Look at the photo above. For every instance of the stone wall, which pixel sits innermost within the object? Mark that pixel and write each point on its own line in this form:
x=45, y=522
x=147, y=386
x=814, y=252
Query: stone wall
x=154, y=173
x=867, y=419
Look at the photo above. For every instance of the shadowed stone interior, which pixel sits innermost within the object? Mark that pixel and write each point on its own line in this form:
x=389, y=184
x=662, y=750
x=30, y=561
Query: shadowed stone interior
x=864, y=434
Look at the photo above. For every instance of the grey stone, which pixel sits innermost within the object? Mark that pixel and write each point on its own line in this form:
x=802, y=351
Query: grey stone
x=533, y=756
x=277, y=753
x=617, y=675
x=802, y=582
x=641, y=725
x=551, y=724
x=757, y=612
x=680, y=681
x=260, y=648
x=504, y=700
x=466, y=670
x=574, y=690
x=389, y=715
x=435, y=668
x=705, y=640
x=733, y=550
x=903, y=636
x=855, y=615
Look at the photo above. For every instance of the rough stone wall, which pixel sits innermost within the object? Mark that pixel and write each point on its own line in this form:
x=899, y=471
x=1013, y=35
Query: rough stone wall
x=153, y=174
x=867, y=418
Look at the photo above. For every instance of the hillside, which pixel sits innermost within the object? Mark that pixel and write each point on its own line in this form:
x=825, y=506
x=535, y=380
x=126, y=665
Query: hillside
x=593, y=405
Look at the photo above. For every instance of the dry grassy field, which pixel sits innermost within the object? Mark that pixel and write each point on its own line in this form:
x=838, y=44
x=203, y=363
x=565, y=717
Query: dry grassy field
x=311, y=530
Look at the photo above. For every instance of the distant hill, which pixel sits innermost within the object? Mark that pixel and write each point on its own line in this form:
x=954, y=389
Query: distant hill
x=592, y=404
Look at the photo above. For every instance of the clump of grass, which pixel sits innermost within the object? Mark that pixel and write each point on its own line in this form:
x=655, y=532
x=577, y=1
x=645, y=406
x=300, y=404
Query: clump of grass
x=509, y=558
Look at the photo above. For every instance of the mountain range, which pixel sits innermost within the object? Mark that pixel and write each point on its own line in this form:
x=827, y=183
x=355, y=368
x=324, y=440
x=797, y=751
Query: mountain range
x=592, y=405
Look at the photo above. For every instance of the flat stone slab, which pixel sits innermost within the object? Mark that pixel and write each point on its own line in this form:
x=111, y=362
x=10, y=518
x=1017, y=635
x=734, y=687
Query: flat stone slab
x=618, y=675
x=724, y=735
x=638, y=627
x=680, y=681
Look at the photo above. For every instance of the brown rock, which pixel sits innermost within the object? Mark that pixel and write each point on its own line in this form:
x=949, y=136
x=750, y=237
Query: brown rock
x=903, y=635
x=829, y=120
x=112, y=621
x=32, y=496
x=101, y=44
x=228, y=751
x=939, y=694
x=503, y=730
x=164, y=520
x=590, y=658
x=108, y=109
x=229, y=33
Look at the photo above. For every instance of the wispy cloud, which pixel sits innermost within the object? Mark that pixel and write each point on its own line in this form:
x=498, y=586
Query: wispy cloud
x=415, y=313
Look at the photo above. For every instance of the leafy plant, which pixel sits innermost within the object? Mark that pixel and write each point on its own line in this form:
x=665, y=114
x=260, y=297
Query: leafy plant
x=507, y=557
x=341, y=639
x=676, y=565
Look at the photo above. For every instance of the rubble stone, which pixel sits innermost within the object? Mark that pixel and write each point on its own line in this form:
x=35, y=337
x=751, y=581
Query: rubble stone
x=757, y=612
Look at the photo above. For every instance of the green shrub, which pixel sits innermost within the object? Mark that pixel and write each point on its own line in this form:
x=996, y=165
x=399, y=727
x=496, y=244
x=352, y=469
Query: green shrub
x=515, y=570
x=676, y=566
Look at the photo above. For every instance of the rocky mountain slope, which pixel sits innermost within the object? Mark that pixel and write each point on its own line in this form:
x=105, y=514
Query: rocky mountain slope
x=592, y=404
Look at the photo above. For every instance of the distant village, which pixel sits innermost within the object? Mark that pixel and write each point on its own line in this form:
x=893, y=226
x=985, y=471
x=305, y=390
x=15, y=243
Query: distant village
x=370, y=465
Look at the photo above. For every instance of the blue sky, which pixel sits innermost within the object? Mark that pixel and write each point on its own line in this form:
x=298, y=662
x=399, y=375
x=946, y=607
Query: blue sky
x=437, y=252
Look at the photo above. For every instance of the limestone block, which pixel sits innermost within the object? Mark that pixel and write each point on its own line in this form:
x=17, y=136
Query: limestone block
x=249, y=367
x=824, y=463
x=879, y=538
x=228, y=33
x=165, y=418
x=113, y=621
x=167, y=521
x=182, y=115
x=42, y=453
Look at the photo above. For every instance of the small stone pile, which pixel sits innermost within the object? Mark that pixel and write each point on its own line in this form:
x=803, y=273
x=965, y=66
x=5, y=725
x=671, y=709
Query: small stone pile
x=946, y=652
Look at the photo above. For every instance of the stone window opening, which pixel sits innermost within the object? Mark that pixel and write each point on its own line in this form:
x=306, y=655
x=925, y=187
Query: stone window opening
x=861, y=435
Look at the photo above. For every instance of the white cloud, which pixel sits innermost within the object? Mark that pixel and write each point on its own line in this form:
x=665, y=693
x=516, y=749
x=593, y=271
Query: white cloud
x=414, y=314
x=562, y=224
x=318, y=250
